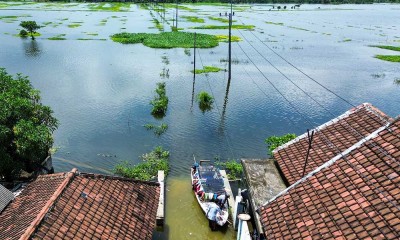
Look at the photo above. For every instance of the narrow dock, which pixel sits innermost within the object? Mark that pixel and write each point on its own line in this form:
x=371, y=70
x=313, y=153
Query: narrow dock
x=231, y=199
x=160, y=210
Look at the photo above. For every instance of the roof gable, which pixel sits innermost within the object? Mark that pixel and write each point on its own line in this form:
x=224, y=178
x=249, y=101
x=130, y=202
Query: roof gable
x=6, y=197
x=343, y=131
x=354, y=196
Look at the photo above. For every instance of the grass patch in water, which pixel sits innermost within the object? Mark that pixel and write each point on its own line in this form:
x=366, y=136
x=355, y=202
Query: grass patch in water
x=193, y=19
x=393, y=48
x=390, y=58
x=74, y=25
x=167, y=39
x=58, y=37
x=95, y=39
x=298, y=28
x=275, y=23
x=35, y=34
x=110, y=6
x=207, y=69
x=248, y=27
x=225, y=38
x=224, y=20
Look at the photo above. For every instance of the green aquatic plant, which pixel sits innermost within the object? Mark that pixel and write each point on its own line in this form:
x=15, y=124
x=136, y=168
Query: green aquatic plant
x=156, y=160
x=205, y=101
x=167, y=39
x=160, y=101
x=393, y=48
x=389, y=58
x=275, y=23
x=207, y=69
x=396, y=81
x=224, y=20
x=58, y=37
x=246, y=27
x=187, y=52
x=193, y=19
x=225, y=38
x=74, y=25
x=158, y=130
x=276, y=141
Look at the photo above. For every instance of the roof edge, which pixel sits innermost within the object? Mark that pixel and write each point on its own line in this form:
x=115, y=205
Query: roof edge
x=32, y=227
x=154, y=183
x=328, y=163
x=368, y=106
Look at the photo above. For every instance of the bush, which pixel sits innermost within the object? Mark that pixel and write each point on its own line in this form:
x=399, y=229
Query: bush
x=23, y=33
x=232, y=167
x=205, y=101
x=275, y=141
x=160, y=102
x=147, y=170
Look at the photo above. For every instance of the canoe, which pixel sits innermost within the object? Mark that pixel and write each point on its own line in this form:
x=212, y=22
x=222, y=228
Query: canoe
x=209, y=190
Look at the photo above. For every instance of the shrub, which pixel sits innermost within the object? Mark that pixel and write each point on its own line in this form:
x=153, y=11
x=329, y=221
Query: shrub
x=160, y=102
x=205, y=101
x=23, y=33
x=276, y=141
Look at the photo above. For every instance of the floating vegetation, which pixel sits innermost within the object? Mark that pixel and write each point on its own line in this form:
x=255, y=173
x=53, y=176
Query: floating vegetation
x=35, y=34
x=110, y=6
x=172, y=5
x=298, y=28
x=158, y=130
x=193, y=19
x=164, y=73
x=167, y=39
x=91, y=34
x=158, y=25
x=207, y=69
x=233, y=61
x=275, y=23
x=225, y=38
x=276, y=141
x=205, y=101
x=152, y=162
x=393, y=48
x=58, y=37
x=247, y=27
x=160, y=101
x=74, y=25
x=378, y=75
x=346, y=40
x=47, y=23
x=390, y=58
x=396, y=81
x=224, y=20
x=87, y=39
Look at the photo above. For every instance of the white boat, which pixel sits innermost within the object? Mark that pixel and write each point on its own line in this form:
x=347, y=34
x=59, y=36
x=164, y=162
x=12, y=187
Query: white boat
x=209, y=190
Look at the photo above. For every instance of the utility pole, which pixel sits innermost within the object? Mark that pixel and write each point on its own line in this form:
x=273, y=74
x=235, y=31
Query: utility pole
x=194, y=68
x=176, y=16
x=230, y=46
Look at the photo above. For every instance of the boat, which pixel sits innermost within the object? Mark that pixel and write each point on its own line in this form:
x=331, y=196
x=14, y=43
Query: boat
x=209, y=190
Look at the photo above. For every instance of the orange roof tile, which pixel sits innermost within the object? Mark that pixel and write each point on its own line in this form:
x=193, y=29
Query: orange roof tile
x=354, y=195
x=342, y=132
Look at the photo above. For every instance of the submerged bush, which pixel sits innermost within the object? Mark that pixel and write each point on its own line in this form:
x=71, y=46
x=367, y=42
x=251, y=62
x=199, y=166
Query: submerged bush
x=276, y=141
x=23, y=33
x=160, y=102
x=205, y=101
x=147, y=170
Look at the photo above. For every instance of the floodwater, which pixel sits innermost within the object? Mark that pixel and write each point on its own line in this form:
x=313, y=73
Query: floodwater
x=100, y=90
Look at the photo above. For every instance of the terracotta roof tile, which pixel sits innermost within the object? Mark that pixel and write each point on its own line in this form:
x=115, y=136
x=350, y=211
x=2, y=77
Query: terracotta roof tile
x=99, y=207
x=343, y=132
x=361, y=200
x=18, y=216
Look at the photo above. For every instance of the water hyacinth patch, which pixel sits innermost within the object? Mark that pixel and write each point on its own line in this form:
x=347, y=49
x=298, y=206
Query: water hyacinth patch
x=167, y=39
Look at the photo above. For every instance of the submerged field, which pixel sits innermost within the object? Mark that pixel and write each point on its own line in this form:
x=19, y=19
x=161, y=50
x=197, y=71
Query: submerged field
x=100, y=90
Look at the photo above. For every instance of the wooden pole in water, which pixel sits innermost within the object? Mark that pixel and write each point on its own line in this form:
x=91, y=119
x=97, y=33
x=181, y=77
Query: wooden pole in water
x=176, y=16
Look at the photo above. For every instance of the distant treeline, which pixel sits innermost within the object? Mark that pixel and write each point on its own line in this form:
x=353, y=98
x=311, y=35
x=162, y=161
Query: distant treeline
x=244, y=1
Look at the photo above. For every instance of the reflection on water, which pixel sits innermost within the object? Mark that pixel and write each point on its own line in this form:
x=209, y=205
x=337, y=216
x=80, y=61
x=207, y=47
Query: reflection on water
x=184, y=217
x=32, y=47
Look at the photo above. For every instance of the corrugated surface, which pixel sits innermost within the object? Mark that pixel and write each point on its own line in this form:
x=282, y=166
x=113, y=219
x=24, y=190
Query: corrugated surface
x=5, y=197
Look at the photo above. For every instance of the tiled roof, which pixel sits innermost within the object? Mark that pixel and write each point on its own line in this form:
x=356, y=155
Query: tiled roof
x=94, y=207
x=354, y=195
x=88, y=206
x=343, y=132
x=22, y=212
x=5, y=197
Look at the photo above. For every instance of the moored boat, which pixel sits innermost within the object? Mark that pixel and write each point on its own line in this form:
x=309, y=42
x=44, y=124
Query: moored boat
x=209, y=190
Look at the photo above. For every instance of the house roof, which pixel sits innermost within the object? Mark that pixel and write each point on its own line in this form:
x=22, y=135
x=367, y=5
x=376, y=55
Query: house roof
x=87, y=206
x=354, y=195
x=343, y=131
x=6, y=196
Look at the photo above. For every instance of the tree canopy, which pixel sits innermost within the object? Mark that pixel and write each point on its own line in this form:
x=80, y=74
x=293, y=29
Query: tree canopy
x=26, y=126
x=30, y=26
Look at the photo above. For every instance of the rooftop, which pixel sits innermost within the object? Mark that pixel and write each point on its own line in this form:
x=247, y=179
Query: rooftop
x=353, y=195
x=342, y=132
x=82, y=206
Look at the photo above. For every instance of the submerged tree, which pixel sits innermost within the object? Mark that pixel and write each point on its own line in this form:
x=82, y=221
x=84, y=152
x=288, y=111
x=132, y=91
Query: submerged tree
x=26, y=126
x=205, y=101
x=31, y=27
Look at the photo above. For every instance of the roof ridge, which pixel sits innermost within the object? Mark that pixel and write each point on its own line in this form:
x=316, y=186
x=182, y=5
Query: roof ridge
x=368, y=106
x=35, y=223
x=118, y=178
x=328, y=163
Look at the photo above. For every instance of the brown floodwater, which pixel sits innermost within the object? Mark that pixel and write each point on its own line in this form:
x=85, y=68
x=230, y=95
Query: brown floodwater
x=184, y=217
